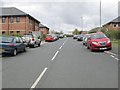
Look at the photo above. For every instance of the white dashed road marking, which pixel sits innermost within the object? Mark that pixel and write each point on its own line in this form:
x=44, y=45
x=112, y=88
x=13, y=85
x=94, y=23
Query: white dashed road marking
x=39, y=78
x=61, y=47
x=54, y=55
x=108, y=52
x=45, y=69
x=113, y=55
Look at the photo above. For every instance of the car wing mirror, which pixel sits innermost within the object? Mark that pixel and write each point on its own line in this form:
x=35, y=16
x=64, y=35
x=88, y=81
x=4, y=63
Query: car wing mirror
x=89, y=39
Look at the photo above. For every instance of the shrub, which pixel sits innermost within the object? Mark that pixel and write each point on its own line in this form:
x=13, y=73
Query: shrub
x=112, y=34
x=43, y=37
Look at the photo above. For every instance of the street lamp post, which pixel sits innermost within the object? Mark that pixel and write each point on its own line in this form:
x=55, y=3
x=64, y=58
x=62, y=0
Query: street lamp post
x=82, y=22
x=100, y=16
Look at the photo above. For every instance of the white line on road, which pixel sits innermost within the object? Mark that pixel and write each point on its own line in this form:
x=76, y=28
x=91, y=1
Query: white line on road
x=54, y=55
x=63, y=43
x=117, y=59
x=110, y=53
x=39, y=78
x=61, y=47
x=114, y=57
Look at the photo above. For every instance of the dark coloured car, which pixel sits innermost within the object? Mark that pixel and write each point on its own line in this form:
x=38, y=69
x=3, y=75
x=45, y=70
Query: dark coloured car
x=80, y=37
x=99, y=41
x=61, y=36
x=75, y=36
x=12, y=45
x=86, y=36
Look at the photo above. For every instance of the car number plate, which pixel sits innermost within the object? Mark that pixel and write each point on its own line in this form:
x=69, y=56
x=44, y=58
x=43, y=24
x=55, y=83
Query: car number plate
x=103, y=48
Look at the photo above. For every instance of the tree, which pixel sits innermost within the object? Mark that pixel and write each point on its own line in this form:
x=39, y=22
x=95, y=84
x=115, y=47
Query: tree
x=76, y=31
x=61, y=32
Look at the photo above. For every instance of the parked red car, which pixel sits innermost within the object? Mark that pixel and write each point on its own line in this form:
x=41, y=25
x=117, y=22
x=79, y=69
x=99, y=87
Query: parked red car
x=99, y=41
x=49, y=38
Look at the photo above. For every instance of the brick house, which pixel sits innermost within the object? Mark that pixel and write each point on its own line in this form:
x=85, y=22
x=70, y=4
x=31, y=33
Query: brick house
x=113, y=25
x=14, y=21
x=43, y=29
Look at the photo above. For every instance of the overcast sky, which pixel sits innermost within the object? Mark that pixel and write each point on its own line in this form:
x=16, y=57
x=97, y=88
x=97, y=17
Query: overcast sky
x=66, y=15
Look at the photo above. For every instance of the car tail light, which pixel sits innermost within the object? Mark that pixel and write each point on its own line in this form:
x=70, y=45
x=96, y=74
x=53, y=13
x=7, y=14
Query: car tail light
x=11, y=45
x=32, y=39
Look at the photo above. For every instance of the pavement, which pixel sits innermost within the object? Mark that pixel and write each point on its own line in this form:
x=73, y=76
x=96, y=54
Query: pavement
x=65, y=63
x=114, y=50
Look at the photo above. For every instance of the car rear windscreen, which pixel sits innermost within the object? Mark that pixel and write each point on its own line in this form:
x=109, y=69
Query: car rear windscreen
x=49, y=36
x=6, y=39
x=30, y=36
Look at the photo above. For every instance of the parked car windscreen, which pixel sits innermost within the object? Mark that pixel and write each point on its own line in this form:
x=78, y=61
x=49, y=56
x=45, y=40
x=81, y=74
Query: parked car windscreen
x=49, y=36
x=6, y=39
x=98, y=36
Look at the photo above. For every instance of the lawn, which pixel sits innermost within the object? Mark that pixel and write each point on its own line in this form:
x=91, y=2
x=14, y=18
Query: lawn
x=115, y=43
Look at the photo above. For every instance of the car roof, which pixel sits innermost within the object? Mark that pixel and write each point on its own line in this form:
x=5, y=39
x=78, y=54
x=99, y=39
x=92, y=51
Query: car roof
x=9, y=36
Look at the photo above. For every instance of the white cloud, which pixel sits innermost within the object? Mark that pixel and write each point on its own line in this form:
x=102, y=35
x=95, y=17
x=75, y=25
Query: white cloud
x=68, y=14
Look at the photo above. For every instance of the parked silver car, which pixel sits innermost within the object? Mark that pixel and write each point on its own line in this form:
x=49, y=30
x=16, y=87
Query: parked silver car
x=32, y=40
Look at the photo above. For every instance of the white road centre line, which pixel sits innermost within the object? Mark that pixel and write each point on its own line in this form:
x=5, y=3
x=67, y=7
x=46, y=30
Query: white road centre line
x=54, y=55
x=39, y=78
x=63, y=43
x=60, y=47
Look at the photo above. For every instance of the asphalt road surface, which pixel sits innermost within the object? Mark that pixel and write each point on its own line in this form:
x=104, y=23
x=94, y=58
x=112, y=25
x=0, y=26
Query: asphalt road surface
x=65, y=63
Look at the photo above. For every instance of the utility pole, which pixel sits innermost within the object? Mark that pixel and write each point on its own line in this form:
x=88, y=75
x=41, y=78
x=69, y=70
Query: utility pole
x=59, y=28
x=100, y=16
x=82, y=23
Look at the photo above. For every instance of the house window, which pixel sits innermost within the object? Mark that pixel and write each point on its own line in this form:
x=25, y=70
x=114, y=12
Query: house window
x=18, y=32
x=11, y=32
x=17, y=19
x=29, y=20
x=3, y=32
x=115, y=25
x=11, y=19
x=3, y=19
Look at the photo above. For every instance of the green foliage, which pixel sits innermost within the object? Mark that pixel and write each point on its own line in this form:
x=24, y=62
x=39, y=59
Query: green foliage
x=56, y=32
x=112, y=34
x=94, y=30
x=17, y=35
x=68, y=35
x=76, y=31
x=43, y=37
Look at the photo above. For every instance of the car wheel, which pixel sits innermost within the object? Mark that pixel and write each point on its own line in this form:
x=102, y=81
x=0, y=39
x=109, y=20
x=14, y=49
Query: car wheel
x=91, y=49
x=24, y=50
x=34, y=45
x=87, y=47
x=110, y=49
x=14, y=52
x=39, y=45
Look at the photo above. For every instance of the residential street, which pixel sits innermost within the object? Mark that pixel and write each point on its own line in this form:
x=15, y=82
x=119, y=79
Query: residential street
x=65, y=63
